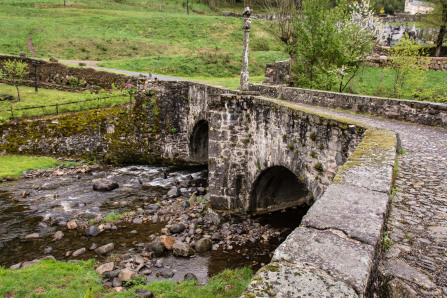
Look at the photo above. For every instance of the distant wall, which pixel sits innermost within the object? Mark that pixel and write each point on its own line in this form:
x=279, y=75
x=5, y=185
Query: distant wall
x=55, y=75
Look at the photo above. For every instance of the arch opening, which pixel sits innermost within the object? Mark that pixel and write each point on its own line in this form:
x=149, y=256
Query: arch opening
x=199, y=142
x=277, y=188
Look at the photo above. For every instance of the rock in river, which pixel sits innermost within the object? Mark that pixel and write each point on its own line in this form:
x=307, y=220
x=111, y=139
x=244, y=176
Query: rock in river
x=92, y=231
x=203, y=245
x=105, y=249
x=182, y=249
x=104, y=185
x=177, y=228
x=107, y=267
x=58, y=235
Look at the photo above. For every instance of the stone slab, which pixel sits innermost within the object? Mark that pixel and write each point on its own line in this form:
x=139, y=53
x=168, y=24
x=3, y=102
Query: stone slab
x=342, y=258
x=283, y=280
x=372, y=177
x=400, y=269
x=358, y=212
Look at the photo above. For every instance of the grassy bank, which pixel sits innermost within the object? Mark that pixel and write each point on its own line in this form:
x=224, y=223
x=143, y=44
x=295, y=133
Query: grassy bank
x=150, y=36
x=46, y=98
x=376, y=81
x=14, y=165
x=58, y=279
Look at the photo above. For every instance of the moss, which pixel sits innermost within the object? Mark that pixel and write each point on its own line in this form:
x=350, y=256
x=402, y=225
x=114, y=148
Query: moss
x=318, y=167
x=313, y=136
x=375, y=146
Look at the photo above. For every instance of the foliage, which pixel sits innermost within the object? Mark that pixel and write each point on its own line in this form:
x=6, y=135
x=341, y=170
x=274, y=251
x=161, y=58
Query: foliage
x=386, y=242
x=437, y=18
x=388, y=6
x=229, y=283
x=14, y=165
x=51, y=279
x=328, y=43
x=58, y=279
x=375, y=81
x=409, y=67
x=15, y=71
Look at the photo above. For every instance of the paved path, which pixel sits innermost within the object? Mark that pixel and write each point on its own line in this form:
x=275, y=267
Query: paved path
x=417, y=224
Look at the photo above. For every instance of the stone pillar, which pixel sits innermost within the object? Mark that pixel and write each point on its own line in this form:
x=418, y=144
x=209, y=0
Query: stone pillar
x=244, y=73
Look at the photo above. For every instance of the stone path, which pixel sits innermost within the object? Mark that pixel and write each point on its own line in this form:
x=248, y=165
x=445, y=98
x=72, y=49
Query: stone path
x=417, y=225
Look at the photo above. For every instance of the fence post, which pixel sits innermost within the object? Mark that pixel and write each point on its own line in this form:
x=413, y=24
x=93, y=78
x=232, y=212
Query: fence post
x=12, y=114
x=57, y=109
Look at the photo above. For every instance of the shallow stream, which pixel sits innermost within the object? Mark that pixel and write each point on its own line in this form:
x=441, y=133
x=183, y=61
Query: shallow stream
x=44, y=205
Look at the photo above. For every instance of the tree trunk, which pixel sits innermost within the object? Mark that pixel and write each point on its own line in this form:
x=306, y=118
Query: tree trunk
x=439, y=40
x=18, y=94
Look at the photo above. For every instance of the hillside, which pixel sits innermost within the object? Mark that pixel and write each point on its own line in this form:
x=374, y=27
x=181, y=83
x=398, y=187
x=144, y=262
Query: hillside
x=151, y=36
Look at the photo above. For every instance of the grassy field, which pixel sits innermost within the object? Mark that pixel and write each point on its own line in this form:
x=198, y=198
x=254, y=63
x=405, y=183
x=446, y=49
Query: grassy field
x=57, y=279
x=371, y=83
x=135, y=35
x=47, y=97
x=14, y=165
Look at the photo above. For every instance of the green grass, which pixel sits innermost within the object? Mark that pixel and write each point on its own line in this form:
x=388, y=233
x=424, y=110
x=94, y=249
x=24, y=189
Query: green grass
x=371, y=83
x=135, y=35
x=57, y=279
x=47, y=97
x=14, y=165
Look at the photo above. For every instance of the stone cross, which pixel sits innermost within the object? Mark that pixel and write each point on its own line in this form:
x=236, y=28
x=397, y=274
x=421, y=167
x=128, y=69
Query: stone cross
x=244, y=73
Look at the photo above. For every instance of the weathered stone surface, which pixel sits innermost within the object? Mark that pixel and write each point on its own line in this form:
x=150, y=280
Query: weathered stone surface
x=105, y=249
x=343, y=258
x=143, y=293
x=92, y=231
x=282, y=280
x=358, y=212
x=126, y=274
x=400, y=269
x=177, y=228
x=174, y=192
x=182, y=249
x=203, y=245
x=104, y=185
x=72, y=225
x=58, y=235
x=156, y=247
x=167, y=241
x=79, y=252
x=107, y=267
x=32, y=236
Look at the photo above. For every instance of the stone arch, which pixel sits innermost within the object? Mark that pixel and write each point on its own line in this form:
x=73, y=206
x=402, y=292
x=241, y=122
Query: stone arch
x=276, y=188
x=198, y=145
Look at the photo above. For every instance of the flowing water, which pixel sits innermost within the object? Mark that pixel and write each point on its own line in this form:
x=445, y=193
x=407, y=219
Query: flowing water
x=43, y=205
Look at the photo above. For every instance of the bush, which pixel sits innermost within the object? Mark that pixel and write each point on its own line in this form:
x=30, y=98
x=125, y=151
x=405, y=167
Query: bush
x=5, y=97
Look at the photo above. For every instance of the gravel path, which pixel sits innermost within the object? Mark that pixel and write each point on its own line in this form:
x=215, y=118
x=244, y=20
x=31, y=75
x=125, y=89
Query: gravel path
x=417, y=224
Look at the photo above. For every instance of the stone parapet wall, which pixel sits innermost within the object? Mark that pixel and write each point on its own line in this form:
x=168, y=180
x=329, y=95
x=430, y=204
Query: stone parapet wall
x=50, y=74
x=407, y=110
x=265, y=17
x=336, y=249
x=277, y=73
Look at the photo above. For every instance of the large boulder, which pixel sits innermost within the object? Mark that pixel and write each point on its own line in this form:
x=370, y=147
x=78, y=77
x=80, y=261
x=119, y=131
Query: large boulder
x=107, y=267
x=167, y=241
x=182, y=249
x=156, y=247
x=174, y=192
x=203, y=245
x=104, y=185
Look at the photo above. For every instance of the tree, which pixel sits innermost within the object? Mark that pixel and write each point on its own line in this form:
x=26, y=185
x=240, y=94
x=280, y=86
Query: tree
x=283, y=10
x=438, y=18
x=409, y=67
x=15, y=72
x=330, y=42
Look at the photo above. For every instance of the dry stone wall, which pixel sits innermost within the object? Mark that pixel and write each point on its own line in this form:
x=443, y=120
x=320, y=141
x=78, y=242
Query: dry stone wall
x=408, y=110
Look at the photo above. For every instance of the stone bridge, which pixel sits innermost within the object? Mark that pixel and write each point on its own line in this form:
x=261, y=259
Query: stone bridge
x=263, y=154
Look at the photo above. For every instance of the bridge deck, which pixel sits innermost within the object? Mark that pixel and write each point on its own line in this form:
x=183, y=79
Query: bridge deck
x=417, y=224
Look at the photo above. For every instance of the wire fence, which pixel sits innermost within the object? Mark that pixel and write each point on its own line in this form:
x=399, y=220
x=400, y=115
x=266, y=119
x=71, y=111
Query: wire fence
x=58, y=108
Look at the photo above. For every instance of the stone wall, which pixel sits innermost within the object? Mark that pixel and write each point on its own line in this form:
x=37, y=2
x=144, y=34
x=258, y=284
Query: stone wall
x=336, y=249
x=401, y=18
x=407, y=110
x=53, y=75
x=277, y=73
x=435, y=63
x=249, y=135
x=265, y=17
x=149, y=131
